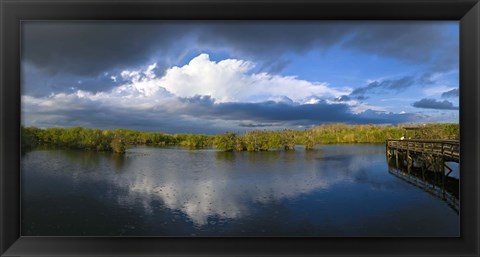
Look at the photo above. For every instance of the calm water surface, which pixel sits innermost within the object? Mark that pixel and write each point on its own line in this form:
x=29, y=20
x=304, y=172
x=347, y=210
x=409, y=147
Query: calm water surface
x=336, y=190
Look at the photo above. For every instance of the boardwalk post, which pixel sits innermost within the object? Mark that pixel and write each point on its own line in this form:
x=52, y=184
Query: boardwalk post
x=388, y=152
x=408, y=158
x=443, y=172
x=396, y=156
x=423, y=171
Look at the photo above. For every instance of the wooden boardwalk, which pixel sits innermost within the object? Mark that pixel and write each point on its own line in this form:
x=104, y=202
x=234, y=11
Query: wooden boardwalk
x=432, y=155
x=415, y=160
x=449, y=150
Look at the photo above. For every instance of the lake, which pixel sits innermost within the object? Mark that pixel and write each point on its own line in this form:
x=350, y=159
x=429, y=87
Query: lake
x=335, y=190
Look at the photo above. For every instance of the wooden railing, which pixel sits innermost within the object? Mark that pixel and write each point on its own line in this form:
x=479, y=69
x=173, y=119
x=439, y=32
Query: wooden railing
x=442, y=148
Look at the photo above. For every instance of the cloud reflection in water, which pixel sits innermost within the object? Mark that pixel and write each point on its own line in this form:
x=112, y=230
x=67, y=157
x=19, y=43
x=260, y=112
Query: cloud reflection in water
x=203, y=184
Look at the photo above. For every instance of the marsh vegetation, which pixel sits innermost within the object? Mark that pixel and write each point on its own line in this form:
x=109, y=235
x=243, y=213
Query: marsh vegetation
x=118, y=140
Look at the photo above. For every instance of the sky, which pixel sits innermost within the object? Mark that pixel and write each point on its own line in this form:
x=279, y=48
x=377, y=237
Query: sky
x=216, y=76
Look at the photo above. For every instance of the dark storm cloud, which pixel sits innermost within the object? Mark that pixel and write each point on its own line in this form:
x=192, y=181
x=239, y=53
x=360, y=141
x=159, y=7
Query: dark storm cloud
x=427, y=103
x=409, y=40
x=86, y=48
x=268, y=112
x=271, y=39
x=451, y=94
x=35, y=83
x=255, y=125
x=198, y=115
x=392, y=84
x=90, y=48
x=98, y=116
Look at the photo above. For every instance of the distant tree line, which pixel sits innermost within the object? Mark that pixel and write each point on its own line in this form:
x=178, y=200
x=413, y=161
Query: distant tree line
x=257, y=140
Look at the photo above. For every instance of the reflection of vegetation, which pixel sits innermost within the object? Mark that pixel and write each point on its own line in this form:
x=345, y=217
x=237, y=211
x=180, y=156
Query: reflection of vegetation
x=118, y=161
x=257, y=140
x=225, y=156
x=86, y=158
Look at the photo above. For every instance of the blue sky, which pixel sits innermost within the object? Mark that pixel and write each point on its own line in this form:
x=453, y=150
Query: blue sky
x=216, y=76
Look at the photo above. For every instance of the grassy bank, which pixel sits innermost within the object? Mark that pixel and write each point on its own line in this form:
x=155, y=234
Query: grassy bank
x=258, y=140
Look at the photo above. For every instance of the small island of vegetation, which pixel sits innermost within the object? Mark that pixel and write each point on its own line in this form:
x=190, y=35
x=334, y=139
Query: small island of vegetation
x=118, y=140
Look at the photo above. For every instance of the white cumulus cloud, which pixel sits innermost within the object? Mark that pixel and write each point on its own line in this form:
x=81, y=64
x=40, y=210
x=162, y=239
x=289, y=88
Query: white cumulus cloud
x=230, y=81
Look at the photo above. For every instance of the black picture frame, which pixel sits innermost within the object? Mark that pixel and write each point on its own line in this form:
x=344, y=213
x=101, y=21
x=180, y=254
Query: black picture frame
x=12, y=12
